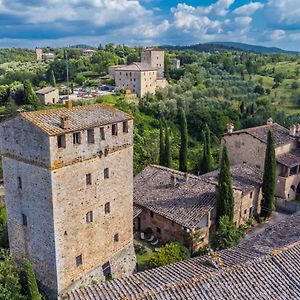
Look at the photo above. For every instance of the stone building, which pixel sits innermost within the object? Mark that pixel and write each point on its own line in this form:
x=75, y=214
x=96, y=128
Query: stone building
x=88, y=52
x=39, y=54
x=141, y=77
x=176, y=63
x=48, y=95
x=179, y=206
x=68, y=185
x=249, y=146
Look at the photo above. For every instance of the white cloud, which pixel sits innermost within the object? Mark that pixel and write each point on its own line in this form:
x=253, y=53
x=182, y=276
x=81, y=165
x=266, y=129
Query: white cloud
x=248, y=9
x=276, y=35
x=243, y=21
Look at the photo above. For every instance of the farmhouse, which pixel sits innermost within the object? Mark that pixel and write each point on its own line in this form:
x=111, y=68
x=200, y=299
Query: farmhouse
x=48, y=95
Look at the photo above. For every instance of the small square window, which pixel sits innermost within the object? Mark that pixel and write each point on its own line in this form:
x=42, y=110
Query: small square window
x=24, y=220
x=107, y=208
x=125, y=126
x=78, y=260
x=106, y=173
x=116, y=237
x=88, y=179
x=102, y=134
x=61, y=141
x=90, y=136
x=158, y=230
x=114, y=129
x=19, y=182
x=89, y=217
x=76, y=138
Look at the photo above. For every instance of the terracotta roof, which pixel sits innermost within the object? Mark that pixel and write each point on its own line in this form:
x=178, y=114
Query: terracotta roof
x=289, y=159
x=81, y=117
x=244, y=177
x=46, y=90
x=185, y=204
x=244, y=273
x=281, y=134
x=137, y=66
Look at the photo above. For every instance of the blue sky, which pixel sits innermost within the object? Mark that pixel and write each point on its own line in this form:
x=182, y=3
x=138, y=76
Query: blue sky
x=31, y=23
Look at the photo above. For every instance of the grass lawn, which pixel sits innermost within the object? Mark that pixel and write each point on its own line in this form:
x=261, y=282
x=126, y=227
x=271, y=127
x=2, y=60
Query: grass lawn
x=143, y=258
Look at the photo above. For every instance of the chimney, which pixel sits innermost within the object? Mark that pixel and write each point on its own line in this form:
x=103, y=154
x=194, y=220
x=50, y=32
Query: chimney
x=69, y=104
x=186, y=177
x=293, y=130
x=230, y=128
x=173, y=181
x=64, y=122
x=270, y=121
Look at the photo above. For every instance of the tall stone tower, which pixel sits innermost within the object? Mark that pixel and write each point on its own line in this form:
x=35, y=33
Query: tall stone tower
x=156, y=58
x=69, y=184
x=39, y=54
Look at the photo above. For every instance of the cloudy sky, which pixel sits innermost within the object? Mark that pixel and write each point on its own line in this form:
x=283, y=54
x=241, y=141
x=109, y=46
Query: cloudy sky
x=30, y=23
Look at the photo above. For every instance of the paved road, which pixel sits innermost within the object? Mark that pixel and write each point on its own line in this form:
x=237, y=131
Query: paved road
x=276, y=217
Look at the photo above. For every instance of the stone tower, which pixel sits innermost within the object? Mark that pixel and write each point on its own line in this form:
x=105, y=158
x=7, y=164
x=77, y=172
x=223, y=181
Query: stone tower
x=68, y=183
x=156, y=58
x=39, y=54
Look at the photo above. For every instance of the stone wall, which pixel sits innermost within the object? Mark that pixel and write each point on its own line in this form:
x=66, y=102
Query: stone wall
x=49, y=98
x=154, y=58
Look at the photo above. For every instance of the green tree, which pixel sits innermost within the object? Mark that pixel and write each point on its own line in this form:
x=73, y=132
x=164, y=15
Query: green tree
x=268, y=187
x=184, y=142
x=32, y=286
x=30, y=96
x=52, y=79
x=225, y=199
x=169, y=254
x=162, y=154
x=227, y=235
x=206, y=164
x=168, y=155
x=10, y=108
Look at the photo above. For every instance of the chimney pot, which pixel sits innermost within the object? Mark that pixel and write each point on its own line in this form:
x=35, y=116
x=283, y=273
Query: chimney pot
x=173, y=180
x=293, y=130
x=69, y=104
x=270, y=121
x=230, y=128
x=64, y=122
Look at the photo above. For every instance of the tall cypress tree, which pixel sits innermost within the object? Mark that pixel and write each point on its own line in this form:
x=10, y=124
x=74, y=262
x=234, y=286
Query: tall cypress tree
x=30, y=96
x=168, y=149
x=52, y=79
x=184, y=142
x=32, y=286
x=162, y=160
x=203, y=164
x=225, y=200
x=268, y=187
x=206, y=163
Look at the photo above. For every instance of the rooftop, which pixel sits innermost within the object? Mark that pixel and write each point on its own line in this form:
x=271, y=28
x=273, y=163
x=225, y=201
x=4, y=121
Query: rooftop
x=136, y=66
x=289, y=159
x=281, y=134
x=80, y=118
x=186, y=203
x=262, y=268
x=244, y=177
x=46, y=90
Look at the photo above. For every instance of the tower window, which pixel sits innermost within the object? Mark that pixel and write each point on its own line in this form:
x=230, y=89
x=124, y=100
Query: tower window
x=76, y=138
x=114, y=129
x=24, y=220
x=90, y=136
x=88, y=179
x=107, y=208
x=102, y=134
x=19, y=182
x=116, y=237
x=125, y=126
x=89, y=217
x=106, y=173
x=61, y=141
x=78, y=260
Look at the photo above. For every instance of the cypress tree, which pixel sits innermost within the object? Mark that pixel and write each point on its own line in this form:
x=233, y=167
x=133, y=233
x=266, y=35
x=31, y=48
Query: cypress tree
x=30, y=96
x=161, y=145
x=52, y=79
x=203, y=164
x=167, y=149
x=208, y=147
x=184, y=141
x=32, y=286
x=225, y=200
x=268, y=187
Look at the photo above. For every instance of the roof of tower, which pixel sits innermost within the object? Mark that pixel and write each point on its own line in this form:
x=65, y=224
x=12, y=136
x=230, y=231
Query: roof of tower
x=136, y=66
x=79, y=117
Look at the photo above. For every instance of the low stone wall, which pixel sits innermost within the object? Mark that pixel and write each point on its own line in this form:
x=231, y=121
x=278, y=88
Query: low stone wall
x=288, y=206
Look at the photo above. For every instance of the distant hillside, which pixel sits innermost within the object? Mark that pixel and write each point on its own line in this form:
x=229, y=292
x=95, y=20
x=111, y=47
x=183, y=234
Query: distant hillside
x=83, y=46
x=231, y=46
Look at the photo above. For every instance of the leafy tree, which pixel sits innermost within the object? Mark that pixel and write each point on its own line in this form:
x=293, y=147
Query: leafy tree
x=168, y=156
x=278, y=78
x=52, y=79
x=169, y=254
x=10, y=108
x=184, y=142
x=225, y=199
x=227, y=235
x=162, y=153
x=32, y=286
x=30, y=96
x=268, y=187
x=259, y=90
x=10, y=286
